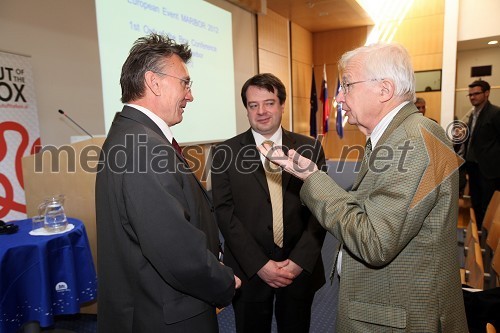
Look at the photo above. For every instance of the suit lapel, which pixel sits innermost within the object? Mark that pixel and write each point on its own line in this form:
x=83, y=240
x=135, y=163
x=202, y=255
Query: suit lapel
x=404, y=113
x=250, y=157
x=288, y=143
x=138, y=116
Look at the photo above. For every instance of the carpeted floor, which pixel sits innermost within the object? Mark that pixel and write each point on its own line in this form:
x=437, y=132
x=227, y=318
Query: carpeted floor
x=323, y=310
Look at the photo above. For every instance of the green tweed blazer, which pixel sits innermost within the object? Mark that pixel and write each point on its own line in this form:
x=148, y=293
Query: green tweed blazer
x=400, y=270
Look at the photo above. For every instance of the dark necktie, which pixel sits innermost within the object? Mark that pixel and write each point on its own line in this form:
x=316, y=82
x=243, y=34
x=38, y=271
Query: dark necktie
x=368, y=149
x=366, y=158
x=177, y=147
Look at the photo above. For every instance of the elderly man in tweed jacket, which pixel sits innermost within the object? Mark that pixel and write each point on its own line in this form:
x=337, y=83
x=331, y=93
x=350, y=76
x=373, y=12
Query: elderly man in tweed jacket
x=397, y=226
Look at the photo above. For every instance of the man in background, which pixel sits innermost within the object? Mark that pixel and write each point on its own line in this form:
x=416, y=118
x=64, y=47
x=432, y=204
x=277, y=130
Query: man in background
x=156, y=234
x=482, y=148
x=397, y=225
x=420, y=104
x=272, y=241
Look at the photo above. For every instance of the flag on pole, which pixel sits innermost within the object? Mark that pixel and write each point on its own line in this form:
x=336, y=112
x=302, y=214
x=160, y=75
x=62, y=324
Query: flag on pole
x=339, y=119
x=314, y=108
x=324, y=100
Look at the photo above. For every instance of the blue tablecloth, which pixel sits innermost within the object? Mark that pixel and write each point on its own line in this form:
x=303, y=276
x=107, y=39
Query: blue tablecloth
x=44, y=276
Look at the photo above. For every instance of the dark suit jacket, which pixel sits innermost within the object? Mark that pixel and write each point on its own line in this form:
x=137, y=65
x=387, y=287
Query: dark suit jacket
x=244, y=214
x=156, y=235
x=486, y=141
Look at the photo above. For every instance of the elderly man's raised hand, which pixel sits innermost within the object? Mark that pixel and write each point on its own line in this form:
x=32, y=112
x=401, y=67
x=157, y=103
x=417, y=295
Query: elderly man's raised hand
x=293, y=163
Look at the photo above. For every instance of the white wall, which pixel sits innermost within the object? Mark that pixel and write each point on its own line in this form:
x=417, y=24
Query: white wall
x=62, y=43
x=478, y=19
x=61, y=38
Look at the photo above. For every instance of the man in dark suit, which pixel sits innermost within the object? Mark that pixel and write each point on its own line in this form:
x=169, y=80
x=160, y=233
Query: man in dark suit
x=156, y=234
x=482, y=149
x=271, y=240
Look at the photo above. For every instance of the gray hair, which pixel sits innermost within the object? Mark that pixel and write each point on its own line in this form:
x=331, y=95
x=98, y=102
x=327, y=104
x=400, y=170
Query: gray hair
x=386, y=61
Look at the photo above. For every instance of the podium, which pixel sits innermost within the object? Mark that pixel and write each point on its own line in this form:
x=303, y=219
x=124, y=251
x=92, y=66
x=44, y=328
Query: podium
x=68, y=170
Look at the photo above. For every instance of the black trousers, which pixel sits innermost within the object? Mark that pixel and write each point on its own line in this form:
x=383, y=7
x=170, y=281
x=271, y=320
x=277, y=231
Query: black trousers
x=481, y=191
x=482, y=307
x=255, y=303
x=292, y=315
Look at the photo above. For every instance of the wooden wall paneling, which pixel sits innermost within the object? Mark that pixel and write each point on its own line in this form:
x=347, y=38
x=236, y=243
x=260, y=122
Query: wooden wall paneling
x=328, y=46
x=427, y=62
x=278, y=65
x=432, y=104
x=301, y=93
x=301, y=114
x=422, y=35
x=274, y=54
x=301, y=44
x=425, y=8
x=301, y=79
x=302, y=61
x=273, y=33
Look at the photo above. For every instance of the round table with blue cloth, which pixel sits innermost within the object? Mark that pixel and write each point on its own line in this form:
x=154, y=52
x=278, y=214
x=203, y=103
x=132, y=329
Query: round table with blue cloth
x=44, y=276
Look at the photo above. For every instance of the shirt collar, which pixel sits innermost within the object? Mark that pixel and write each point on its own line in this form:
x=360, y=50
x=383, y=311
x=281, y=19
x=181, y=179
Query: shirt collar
x=157, y=120
x=384, y=123
x=277, y=137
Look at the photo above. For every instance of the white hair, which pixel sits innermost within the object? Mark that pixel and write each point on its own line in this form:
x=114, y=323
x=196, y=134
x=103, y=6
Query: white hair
x=386, y=61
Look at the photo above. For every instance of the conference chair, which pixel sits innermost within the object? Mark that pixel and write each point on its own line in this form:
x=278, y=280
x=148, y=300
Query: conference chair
x=472, y=274
x=491, y=248
x=471, y=233
x=464, y=205
x=492, y=214
x=495, y=267
x=490, y=328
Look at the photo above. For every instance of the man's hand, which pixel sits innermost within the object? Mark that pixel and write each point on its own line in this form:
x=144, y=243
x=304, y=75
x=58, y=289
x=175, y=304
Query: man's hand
x=294, y=163
x=293, y=268
x=273, y=274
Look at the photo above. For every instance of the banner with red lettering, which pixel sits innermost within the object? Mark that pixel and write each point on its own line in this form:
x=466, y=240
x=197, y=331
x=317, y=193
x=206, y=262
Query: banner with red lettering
x=19, y=131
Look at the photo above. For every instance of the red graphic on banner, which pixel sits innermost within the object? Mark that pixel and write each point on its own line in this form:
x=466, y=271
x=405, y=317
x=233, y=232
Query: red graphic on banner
x=8, y=203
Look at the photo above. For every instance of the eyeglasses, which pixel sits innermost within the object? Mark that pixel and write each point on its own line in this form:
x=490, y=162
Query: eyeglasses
x=346, y=86
x=475, y=94
x=187, y=83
